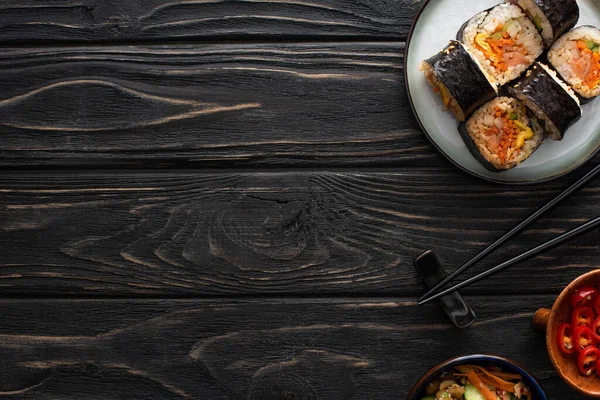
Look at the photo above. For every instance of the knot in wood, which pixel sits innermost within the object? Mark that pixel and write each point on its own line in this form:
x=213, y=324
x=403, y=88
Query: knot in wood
x=253, y=232
x=92, y=369
x=116, y=17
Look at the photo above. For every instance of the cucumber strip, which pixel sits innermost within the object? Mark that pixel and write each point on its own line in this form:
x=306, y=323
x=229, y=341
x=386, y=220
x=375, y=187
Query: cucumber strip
x=472, y=393
x=590, y=44
x=507, y=25
x=537, y=21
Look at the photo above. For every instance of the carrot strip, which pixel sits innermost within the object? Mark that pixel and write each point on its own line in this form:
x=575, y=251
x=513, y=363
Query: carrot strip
x=497, y=51
x=592, y=77
x=507, y=375
x=476, y=381
x=509, y=388
x=498, y=382
x=502, y=375
x=495, y=382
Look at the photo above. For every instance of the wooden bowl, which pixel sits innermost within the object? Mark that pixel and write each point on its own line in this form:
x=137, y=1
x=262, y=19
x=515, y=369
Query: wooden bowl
x=550, y=320
x=418, y=391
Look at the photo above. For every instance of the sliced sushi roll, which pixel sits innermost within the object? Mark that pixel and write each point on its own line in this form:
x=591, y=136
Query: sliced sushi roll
x=549, y=98
x=576, y=57
x=458, y=79
x=501, y=134
x=503, y=40
x=551, y=18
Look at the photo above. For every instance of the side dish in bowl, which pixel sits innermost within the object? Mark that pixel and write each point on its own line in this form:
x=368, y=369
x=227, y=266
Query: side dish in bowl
x=572, y=329
x=477, y=377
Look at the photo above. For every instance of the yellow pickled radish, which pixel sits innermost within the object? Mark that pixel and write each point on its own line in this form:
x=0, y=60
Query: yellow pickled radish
x=526, y=134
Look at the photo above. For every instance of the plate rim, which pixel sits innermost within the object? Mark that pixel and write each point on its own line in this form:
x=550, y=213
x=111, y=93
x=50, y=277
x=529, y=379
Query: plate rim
x=575, y=166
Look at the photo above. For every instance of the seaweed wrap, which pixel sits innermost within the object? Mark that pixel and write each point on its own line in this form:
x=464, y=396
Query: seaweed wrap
x=503, y=40
x=551, y=18
x=502, y=134
x=457, y=78
x=549, y=98
x=576, y=57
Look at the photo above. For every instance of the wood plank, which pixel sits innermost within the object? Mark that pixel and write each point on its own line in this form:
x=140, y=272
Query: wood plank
x=209, y=105
x=258, y=350
x=186, y=233
x=115, y=20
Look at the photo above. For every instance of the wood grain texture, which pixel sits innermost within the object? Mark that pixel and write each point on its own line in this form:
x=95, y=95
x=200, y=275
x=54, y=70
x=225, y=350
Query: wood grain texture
x=209, y=105
x=274, y=233
x=257, y=350
x=116, y=20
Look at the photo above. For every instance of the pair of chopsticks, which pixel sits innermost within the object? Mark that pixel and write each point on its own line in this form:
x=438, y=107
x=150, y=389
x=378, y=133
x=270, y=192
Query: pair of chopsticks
x=434, y=292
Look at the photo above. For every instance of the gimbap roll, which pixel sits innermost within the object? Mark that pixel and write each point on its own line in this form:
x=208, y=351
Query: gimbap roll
x=552, y=18
x=549, y=98
x=576, y=57
x=458, y=79
x=503, y=40
x=501, y=134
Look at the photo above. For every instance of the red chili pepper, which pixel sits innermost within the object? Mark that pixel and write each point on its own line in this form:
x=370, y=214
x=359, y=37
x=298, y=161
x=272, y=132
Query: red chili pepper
x=583, y=337
x=587, y=361
x=582, y=316
x=583, y=296
x=596, y=305
x=596, y=329
x=565, y=339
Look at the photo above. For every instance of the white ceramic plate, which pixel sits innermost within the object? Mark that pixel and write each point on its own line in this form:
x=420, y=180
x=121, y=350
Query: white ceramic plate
x=436, y=24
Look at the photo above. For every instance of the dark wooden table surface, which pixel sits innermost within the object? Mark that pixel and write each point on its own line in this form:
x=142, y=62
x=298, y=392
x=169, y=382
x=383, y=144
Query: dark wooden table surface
x=222, y=199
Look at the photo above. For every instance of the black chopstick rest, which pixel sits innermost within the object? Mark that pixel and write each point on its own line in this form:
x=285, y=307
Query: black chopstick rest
x=432, y=272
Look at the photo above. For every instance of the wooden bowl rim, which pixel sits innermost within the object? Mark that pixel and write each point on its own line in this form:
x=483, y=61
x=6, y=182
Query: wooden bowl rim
x=550, y=345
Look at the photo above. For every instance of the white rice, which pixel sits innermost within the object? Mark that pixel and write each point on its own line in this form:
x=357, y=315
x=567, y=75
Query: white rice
x=524, y=33
x=477, y=128
x=560, y=57
x=533, y=11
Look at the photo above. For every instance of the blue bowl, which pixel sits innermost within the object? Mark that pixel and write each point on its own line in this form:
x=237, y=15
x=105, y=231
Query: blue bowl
x=418, y=391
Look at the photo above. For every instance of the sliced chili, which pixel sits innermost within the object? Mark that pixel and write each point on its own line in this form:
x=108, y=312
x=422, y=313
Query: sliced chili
x=587, y=361
x=582, y=316
x=596, y=305
x=596, y=329
x=565, y=339
x=584, y=296
x=580, y=338
x=583, y=338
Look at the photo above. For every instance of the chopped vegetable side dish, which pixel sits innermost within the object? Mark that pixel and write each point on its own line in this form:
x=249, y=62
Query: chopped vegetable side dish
x=472, y=382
